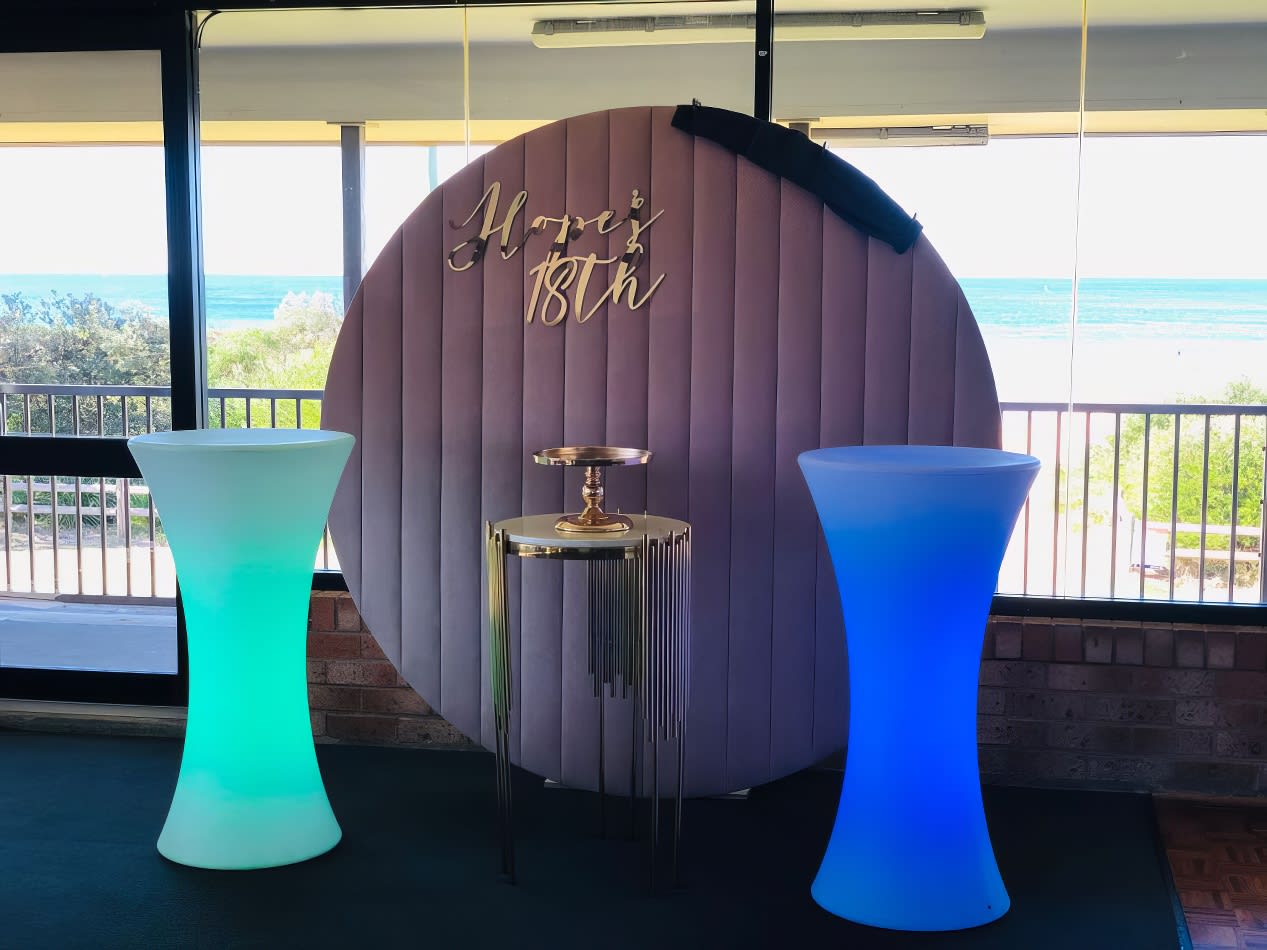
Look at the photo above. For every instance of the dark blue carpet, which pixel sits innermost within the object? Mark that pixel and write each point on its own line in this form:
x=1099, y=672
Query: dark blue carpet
x=417, y=866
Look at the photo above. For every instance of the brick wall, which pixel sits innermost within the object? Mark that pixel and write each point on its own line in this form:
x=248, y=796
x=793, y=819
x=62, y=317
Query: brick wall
x=1126, y=705
x=1168, y=707
x=355, y=693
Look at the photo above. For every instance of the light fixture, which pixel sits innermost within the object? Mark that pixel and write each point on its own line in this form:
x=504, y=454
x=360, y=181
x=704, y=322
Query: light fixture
x=739, y=28
x=900, y=135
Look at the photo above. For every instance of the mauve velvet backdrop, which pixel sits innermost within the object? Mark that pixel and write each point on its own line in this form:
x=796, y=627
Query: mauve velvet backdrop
x=778, y=328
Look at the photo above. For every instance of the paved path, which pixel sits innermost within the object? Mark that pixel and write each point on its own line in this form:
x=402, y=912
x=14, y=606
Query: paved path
x=51, y=634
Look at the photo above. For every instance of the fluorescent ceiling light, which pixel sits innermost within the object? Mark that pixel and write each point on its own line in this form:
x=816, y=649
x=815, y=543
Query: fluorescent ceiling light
x=739, y=28
x=902, y=135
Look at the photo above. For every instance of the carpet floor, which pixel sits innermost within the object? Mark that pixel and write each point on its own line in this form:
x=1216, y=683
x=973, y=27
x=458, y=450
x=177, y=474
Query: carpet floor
x=79, y=816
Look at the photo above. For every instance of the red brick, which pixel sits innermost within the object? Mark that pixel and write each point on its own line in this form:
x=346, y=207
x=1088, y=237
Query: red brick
x=1220, y=649
x=1173, y=683
x=1128, y=646
x=1097, y=644
x=1240, y=745
x=1218, y=713
x=431, y=731
x=1190, y=648
x=318, y=720
x=1083, y=676
x=1036, y=641
x=1171, y=741
x=1136, y=772
x=1251, y=650
x=1007, y=640
x=346, y=616
x=993, y=761
x=1060, y=767
x=1045, y=705
x=1067, y=642
x=1089, y=737
x=334, y=646
x=991, y=730
x=1013, y=673
x=1130, y=709
x=316, y=671
x=1159, y=646
x=360, y=673
x=1240, y=684
x=998, y=730
x=990, y=702
x=334, y=697
x=370, y=648
x=395, y=700
x=321, y=613
x=373, y=729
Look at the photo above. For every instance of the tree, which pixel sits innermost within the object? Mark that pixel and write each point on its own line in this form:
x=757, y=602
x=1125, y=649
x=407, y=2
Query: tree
x=1235, y=465
x=84, y=340
x=293, y=353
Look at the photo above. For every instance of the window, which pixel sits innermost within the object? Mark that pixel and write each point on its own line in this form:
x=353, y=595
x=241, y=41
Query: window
x=87, y=578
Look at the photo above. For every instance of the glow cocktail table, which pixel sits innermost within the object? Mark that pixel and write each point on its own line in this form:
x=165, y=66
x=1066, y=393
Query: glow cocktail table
x=243, y=510
x=916, y=534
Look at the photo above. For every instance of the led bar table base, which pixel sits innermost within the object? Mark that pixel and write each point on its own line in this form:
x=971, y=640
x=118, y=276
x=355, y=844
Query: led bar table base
x=243, y=511
x=917, y=535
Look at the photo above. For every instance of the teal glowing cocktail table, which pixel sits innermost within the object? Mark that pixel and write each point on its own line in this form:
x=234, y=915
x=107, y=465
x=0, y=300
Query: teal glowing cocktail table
x=916, y=534
x=243, y=511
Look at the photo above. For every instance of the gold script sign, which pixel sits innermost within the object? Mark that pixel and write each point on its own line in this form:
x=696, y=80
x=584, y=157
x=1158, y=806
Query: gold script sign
x=558, y=272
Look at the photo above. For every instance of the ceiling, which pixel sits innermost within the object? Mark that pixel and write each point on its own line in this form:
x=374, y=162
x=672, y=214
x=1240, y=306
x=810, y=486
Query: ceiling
x=379, y=27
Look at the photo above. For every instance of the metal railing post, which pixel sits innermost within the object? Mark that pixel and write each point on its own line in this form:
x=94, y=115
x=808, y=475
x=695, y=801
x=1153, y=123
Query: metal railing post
x=1262, y=529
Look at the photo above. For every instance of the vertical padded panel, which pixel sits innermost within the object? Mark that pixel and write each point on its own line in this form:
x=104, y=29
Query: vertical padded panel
x=795, y=520
x=423, y=239
x=752, y=464
x=934, y=311
x=778, y=328
x=461, y=553
x=628, y=334
x=628, y=339
x=380, y=445
x=670, y=334
x=712, y=381
x=341, y=411
x=977, y=418
x=844, y=335
x=670, y=326
x=887, y=382
x=584, y=423
x=502, y=386
x=541, y=673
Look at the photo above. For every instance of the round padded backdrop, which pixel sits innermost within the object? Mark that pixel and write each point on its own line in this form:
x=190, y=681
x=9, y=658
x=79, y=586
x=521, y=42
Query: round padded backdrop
x=777, y=328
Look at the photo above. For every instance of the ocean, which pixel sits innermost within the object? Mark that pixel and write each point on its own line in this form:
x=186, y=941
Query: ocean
x=232, y=299
x=1017, y=308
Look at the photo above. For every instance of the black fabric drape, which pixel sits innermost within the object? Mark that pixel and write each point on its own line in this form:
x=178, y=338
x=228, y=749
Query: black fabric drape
x=791, y=155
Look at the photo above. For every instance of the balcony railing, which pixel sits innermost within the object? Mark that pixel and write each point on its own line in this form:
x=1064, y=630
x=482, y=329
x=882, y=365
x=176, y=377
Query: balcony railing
x=1134, y=501
x=1140, y=501
x=101, y=537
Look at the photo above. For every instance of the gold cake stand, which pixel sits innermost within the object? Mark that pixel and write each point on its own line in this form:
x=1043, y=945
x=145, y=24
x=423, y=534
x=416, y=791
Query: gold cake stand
x=595, y=458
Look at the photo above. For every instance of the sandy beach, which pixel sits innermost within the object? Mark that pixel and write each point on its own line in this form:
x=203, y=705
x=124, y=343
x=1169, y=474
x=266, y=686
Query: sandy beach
x=1122, y=371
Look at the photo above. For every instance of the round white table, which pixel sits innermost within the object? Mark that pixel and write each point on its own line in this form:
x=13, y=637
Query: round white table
x=639, y=632
x=243, y=511
x=916, y=534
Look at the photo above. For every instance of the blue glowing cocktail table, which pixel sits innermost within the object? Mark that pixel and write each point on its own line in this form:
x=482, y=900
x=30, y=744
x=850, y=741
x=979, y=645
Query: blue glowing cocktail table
x=917, y=535
x=243, y=511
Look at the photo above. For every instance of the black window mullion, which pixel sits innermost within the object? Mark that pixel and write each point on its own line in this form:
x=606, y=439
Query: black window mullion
x=170, y=33
x=763, y=62
x=186, y=305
